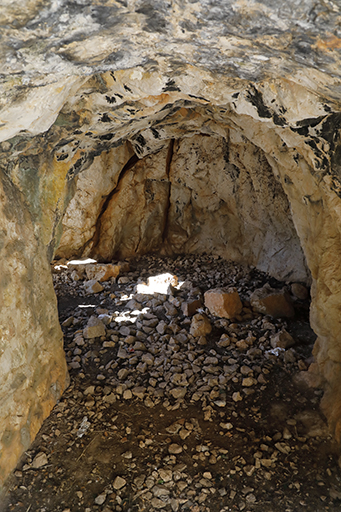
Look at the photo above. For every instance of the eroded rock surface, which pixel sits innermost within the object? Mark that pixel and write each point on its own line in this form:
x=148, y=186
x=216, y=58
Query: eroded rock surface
x=212, y=123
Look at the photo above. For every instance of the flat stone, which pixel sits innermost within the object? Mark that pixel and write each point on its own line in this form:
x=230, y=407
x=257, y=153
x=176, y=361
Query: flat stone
x=174, y=449
x=157, y=503
x=94, y=329
x=248, y=382
x=109, y=344
x=179, y=379
x=39, y=460
x=236, y=397
x=224, y=341
x=165, y=474
x=148, y=358
x=68, y=321
x=139, y=392
x=93, y=286
x=118, y=483
x=161, y=327
x=178, y=392
x=160, y=490
x=100, y=499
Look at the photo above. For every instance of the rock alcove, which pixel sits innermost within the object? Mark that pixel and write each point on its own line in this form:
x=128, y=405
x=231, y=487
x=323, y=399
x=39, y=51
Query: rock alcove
x=169, y=136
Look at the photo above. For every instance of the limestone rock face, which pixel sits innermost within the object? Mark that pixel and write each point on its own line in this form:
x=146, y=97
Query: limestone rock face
x=195, y=194
x=129, y=127
x=94, y=187
x=32, y=361
x=135, y=217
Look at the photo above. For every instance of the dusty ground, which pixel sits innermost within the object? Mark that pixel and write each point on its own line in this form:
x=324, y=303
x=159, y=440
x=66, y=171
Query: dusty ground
x=120, y=441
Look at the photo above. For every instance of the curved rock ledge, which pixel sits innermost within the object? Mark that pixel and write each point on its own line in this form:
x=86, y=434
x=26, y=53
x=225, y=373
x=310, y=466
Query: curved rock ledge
x=176, y=126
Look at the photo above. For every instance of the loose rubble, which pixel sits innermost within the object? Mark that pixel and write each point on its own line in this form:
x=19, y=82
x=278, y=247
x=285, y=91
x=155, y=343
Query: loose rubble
x=181, y=399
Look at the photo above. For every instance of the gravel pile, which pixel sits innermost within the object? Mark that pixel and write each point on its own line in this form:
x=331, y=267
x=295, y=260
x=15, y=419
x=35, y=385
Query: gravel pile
x=171, y=407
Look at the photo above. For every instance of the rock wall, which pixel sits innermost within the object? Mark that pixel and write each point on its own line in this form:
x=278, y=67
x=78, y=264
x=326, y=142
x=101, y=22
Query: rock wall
x=32, y=362
x=195, y=195
x=180, y=111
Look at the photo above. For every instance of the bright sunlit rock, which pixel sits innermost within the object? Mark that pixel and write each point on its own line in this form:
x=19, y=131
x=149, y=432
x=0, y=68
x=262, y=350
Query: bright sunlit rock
x=158, y=284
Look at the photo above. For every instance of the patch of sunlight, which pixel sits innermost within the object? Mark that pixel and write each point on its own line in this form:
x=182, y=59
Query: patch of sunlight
x=158, y=284
x=130, y=316
x=126, y=297
x=81, y=262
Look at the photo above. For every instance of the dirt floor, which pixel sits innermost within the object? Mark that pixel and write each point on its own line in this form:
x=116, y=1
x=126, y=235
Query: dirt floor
x=156, y=419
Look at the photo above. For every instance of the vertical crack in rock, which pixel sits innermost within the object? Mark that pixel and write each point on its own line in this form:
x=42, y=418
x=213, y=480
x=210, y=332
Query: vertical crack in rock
x=168, y=165
x=96, y=237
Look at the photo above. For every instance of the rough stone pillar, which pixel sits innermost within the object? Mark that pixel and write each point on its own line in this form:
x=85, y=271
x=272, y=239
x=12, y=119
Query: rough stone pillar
x=32, y=362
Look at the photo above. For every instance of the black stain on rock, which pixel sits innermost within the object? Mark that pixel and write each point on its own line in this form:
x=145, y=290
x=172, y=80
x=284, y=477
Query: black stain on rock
x=256, y=99
x=64, y=156
x=303, y=130
x=278, y=120
x=330, y=129
x=110, y=99
x=106, y=136
x=310, y=121
x=76, y=168
x=198, y=97
x=63, y=142
x=106, y=15
x=155, y=133
x=171, y=86
x=141, y=140
x=105, y=118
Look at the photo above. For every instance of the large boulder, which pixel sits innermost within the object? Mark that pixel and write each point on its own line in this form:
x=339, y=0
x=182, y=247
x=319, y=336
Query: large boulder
x=223, y=302
x=273, y=302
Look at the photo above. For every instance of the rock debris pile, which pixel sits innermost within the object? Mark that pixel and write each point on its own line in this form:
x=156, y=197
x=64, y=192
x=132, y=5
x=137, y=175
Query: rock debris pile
x=187, y=394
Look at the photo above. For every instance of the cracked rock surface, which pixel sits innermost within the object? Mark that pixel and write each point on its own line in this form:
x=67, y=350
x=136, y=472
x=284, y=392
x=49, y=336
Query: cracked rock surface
x=162, y=416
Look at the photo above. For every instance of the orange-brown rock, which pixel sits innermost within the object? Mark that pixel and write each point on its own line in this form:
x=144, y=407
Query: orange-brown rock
x=105, y=272
x=191, y=307
x=269, y=301
x=223, y=302
x=282, y=339
x=200, y=325
x=299, y=291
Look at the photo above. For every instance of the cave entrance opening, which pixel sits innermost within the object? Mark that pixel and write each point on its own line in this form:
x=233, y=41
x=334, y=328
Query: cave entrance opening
x=197, y=203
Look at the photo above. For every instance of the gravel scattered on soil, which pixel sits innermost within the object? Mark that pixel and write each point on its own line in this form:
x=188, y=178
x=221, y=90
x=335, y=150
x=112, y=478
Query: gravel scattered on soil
x=157, y=418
